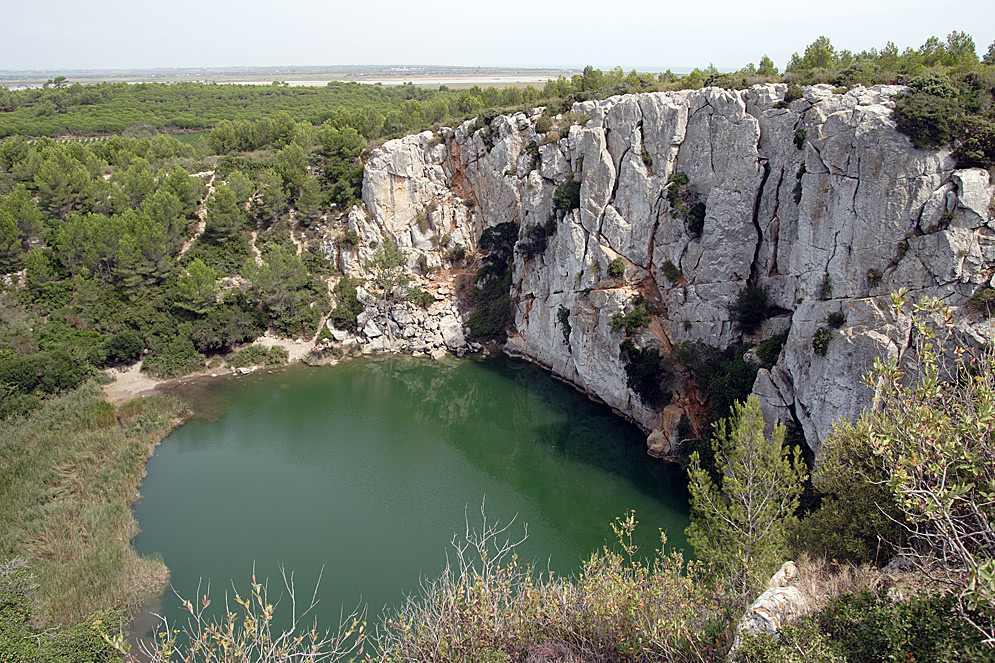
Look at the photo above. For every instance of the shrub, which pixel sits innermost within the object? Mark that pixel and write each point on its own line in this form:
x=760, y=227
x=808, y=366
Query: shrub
x=534, y=243
x=929, y=121
x=258, y=355
x=857, y=518
x=800, y=138
x=826, y=287
x=770, y=350
x=123, y=347
x=750, y=309
x=48, y=372
x=820, y=341
x=835, y=319
x=491, y=294
x=544, y=124
x=696, y=219
x=793, y=93
x=671, y=271
x=983, y=300
x=347, y=305
x=350, y=239
x=420, y=297
x=174, y=358
x=633, y=321
x=645, y=373
x=567, y=195
x=456, y=254
x=26, y=636
x=563, y=316
x=619, y=607
x=934, y=439
x=616, y=268
x=874, y=277
x=799, y=190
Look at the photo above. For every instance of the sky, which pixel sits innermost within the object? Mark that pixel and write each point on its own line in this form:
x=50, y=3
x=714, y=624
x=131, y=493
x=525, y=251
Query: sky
x=644, y=34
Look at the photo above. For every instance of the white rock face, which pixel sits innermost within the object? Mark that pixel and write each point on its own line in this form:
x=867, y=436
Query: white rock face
x=820, y=202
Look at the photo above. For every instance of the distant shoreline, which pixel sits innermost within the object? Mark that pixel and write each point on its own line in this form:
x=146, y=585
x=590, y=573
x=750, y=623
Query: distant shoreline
x=300, y=77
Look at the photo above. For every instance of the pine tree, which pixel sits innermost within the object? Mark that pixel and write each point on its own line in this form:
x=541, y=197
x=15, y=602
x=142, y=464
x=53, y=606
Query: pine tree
x=738, y=526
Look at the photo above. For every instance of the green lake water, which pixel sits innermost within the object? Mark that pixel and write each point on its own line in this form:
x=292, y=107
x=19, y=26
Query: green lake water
x=368, y=468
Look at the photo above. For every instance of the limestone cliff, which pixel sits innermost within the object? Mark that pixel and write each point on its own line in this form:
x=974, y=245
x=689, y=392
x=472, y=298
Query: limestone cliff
x=818, y=201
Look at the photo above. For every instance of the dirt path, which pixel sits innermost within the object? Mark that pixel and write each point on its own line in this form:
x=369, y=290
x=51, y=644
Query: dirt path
x=201, y=213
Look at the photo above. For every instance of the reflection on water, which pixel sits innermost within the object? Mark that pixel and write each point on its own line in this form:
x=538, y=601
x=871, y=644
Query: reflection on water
x=366, y=469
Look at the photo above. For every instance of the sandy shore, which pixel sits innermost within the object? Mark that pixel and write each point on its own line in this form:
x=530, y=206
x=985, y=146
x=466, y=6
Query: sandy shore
x=129, y=383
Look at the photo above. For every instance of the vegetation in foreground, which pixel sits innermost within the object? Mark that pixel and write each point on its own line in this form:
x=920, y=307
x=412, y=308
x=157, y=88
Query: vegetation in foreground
x=70, y=472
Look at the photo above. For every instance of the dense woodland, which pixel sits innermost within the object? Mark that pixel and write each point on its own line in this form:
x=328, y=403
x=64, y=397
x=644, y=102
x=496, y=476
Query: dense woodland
x=163, y=222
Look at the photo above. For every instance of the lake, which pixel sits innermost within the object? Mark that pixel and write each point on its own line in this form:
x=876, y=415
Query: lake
x=368, y=468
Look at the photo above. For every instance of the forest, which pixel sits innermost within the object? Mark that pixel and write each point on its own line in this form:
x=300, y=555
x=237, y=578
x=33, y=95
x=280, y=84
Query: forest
x=176, y=223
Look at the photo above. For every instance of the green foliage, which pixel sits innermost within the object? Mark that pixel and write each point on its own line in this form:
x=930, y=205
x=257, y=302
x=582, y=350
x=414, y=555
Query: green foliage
x=739, y=525
x=350, y=239
x=563, y=317
x=671, y=271
x=387, y=268
x=619, y=608
x=197, y=288
x=646, y=372
x=927, y=120
x=983, y=300
x=173, y=358
x=124, y=347
x=800, y=139
x=874, y=277
x=536, y=238
x=26, y=638
x=80, y=551
x=857, y=519
x=826, y=287
x=869, y=627
x=290, y=296
x=491, y=294
x=347, y=305
x=750, y=309
x=567, y=195
x=616, y=268
x=820, y=341
x=768, y=351
x=634, y=320
x=799, y=190
x=727, y=376
x=420, y=297
x=455, y=254
x=836, y=319
x=258, y=355
x=933, y=439
x=46, y=372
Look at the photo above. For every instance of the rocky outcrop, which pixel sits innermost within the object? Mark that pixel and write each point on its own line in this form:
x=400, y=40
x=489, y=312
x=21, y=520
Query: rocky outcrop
x=818, y=201
x=780, y=604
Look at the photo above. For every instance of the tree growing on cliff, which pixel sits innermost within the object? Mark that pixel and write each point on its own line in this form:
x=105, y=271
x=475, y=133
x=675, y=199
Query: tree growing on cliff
x=387, y=270
x=740, y=525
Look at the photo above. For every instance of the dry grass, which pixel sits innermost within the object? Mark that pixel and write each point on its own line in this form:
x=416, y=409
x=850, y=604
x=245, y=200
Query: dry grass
x=68, y=475
x=820, y=580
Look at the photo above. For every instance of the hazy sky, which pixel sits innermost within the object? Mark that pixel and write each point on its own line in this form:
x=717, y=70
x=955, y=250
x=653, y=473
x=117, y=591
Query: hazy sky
x=646, y=34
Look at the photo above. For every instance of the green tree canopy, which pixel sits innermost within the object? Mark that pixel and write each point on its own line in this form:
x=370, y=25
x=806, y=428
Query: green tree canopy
x=739, y=525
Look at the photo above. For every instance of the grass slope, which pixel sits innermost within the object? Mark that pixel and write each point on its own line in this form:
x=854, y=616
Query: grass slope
x=68, y=475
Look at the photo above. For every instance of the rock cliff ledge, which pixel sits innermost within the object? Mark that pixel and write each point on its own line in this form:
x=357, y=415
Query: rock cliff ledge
x=819, y=201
